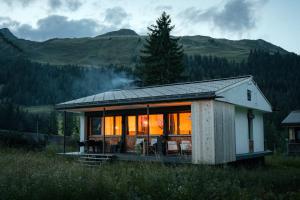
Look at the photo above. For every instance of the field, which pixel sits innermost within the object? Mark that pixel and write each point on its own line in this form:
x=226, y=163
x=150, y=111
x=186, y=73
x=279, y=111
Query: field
x=44, y=175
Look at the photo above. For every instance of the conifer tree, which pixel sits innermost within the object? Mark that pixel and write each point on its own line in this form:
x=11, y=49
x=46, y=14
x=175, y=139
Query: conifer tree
x=162, y=56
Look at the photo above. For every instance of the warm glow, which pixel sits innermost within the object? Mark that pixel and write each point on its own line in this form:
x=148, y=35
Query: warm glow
x=173, y=124
x=185, y=123
x=109, y=125
x=156, y=124
x=131, y=125
x=142, y=124
x=118, y=125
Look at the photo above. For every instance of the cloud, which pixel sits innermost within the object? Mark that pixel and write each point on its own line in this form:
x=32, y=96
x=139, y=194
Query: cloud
x=72, y=5
x=163, y=7
x=235, y=16
x=24, y=3
x=58, y=26
x=116, y=15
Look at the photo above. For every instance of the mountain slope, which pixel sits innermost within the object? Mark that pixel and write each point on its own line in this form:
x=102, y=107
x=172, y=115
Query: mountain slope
x=122, y=48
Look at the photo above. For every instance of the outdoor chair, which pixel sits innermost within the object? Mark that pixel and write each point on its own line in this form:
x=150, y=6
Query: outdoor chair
x=172, y=147
x=80, y=144
x=153, y=146
x=91, y=143
x=185, y=147
x=139, y=143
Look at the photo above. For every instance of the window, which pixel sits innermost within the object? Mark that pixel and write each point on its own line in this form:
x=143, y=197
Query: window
x=109, y=125
x=118, y=125
x=180, y=123
x=156, y=124
x=185, y=124
x=249, y=95
x=173, y=123
x=131, y=125
x=142, y=125
x=113, y=125
x=96, y=126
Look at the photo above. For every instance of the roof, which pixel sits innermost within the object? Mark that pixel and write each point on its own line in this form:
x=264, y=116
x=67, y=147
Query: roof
x=162, y=93
x=292, y=119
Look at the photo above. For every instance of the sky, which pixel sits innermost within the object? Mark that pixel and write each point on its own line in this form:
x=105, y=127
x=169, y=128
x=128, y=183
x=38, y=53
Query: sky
x=276, y=21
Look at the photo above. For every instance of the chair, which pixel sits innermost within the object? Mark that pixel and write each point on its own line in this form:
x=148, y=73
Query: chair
x=91, y=143
x=172, y=147
x=153, y=145
x=139, y=143
x=185, y=146
x=80, y=144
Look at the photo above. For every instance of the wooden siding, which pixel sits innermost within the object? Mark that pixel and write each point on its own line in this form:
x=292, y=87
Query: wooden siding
x=203, y=148
x=213, y=133
x=224, y=125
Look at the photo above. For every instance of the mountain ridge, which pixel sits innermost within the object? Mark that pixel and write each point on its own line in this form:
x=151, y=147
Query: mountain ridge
x=122, y=47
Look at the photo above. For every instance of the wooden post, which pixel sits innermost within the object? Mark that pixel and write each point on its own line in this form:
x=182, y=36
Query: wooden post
x=65, y=129
x=148, y=130
x=103, y=145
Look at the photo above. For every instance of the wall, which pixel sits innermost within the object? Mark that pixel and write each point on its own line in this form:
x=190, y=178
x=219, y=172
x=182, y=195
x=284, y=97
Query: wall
x=258, y=131
x=212, y=132
x=241, y=130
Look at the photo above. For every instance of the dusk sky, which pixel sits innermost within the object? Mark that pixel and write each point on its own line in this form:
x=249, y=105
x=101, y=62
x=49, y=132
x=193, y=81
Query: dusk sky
x=276, y=21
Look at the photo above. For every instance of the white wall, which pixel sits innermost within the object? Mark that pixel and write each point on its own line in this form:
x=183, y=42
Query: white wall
x=241, y=130
x=258, y=132
x=237, y=95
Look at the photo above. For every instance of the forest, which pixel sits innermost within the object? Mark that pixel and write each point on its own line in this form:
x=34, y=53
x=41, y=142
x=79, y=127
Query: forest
x=25, y=83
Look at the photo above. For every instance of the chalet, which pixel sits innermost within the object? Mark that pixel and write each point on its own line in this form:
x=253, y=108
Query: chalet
x=292, y=122
x=205, y=122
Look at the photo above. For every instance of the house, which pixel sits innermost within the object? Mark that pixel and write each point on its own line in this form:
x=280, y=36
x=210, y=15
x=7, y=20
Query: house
x=292, y=122
x=213, y=121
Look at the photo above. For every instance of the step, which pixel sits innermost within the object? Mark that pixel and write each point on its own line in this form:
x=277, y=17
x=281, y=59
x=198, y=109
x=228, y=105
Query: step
x=95, y=158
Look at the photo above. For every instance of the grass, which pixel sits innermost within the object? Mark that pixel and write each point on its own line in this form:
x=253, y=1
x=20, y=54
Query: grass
x=44, y=175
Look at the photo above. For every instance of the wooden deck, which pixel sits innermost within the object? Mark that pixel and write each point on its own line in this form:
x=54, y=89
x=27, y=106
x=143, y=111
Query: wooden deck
x=180, y=159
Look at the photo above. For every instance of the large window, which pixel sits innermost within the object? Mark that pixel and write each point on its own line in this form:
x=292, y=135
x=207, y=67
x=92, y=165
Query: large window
x=142, y=125
x=131, y=125
x=156, y=124
x=180, y=123
x=96, y=126
x=113, y=125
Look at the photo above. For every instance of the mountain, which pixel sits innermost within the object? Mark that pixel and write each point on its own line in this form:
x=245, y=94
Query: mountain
x=120, y=47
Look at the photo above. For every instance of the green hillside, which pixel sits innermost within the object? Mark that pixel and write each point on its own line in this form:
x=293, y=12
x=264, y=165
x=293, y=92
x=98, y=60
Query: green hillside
x=120, y=48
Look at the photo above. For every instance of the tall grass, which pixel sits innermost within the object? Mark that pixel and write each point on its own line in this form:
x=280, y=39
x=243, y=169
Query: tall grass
x=40, y=175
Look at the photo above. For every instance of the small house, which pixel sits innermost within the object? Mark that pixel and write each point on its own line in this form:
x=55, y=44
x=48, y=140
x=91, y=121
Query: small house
x=292, y=122
x=203, y=122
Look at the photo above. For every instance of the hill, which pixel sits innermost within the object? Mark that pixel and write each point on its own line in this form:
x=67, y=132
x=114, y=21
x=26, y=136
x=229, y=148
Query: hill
x=120, y=48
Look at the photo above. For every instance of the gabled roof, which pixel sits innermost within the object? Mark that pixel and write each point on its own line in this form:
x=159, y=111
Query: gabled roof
x=292, y=119
x=162, y=93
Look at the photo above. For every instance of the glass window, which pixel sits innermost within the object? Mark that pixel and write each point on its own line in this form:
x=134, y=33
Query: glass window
x=131, y=125
x=109, y=125
x=118, y=125
x=173, y=123
x=185, y=123
x=95, y=126
x=156, y=124
x=142, y=125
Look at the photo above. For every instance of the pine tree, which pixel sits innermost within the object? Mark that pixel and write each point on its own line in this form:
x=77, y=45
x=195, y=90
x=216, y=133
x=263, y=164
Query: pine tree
x=162, y=56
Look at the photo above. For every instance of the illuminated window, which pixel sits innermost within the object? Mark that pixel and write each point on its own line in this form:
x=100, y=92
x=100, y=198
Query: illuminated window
x=131, y=125
x=180, y=123
x=109, y=125
x=173, y=123
x=185, y=123
x=95, y=126
x=118, y=125
x=142, y=125
x=156, y=124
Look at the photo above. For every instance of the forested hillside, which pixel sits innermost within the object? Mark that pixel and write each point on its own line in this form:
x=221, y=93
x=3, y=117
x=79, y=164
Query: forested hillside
x=25, y=83
x=121, y=48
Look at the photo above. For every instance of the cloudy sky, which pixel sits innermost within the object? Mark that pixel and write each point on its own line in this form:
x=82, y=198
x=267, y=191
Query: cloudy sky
x=276, y=21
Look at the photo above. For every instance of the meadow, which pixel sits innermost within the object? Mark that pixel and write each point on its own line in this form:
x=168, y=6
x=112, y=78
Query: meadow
x=45, y=175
